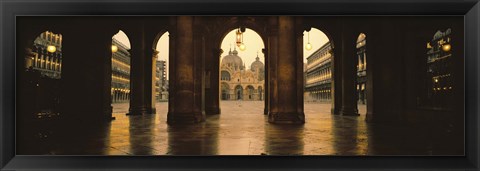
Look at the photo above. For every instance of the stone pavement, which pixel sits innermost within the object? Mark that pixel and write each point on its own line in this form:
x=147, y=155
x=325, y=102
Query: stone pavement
x=242, y=129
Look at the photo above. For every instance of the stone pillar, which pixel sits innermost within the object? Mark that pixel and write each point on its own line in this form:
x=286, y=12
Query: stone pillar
x=272, y=58
x=347, y=44
x=299, y=77
x=138, y=75
x=186, y=107
x=151, y=80
x=266, y=82
x=336, y=90
x=86, y=82
x=385, y=75
x=286, y=87
x=212, y=85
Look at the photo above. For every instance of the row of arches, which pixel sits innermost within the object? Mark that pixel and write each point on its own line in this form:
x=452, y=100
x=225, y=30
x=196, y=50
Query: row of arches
x=340, y=43
x=120, y=89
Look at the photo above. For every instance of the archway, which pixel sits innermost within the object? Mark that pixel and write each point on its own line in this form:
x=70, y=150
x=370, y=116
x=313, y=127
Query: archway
x=120, y=85
x=161, y=62
x=318, y=68
x=438, y=80
x=361, y=79
x=241, y=66
x=238, y=92
x=225, y=91
x=250, y=92
x=43, y=68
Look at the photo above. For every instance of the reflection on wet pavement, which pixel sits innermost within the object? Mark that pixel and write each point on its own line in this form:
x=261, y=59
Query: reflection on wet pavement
x=241, y=129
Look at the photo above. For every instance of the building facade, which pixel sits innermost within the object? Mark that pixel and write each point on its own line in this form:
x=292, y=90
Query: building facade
x=45, y=55
x=318, y=77
x=362, y=69
x=438, y=80
x=161, y=85
x=120, y=72
x=239, y=83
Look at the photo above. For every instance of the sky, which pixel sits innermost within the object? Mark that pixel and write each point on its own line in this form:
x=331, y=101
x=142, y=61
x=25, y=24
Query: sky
x=251, y=39
x=253, y=43
x=317, y=40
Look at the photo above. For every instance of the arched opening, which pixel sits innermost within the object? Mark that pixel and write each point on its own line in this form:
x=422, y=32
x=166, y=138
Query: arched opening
x=438, y=82
x=120, y=87
x=225, y=91
x=161, y=66
x=242, y=66
x=43, y=70
x=361, y=80
x=250, y=93
x=238, y=92
x=225, y=75
x=318, y=69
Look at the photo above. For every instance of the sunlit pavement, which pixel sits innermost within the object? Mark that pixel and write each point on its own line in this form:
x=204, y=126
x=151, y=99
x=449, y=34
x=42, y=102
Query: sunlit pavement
x=243, y=129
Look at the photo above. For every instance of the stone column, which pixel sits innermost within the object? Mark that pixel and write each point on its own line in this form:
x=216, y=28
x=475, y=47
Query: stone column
x=266, y=81
x=138, y=75
x=299, y=77
x=272, y=57
x=347, y=44
x=212, y=85
x=286, y=87
x=186, y=107
x=151, y=72
x=336, y=91
x=86, y=83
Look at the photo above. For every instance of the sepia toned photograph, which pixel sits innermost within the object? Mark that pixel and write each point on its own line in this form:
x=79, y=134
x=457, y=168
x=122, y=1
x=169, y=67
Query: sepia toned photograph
x=240, y=85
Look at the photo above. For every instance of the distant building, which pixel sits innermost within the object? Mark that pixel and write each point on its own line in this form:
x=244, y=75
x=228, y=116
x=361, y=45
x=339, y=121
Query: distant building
x=120, y=73
x=239, y=83
x=161, y=85
x=362, y=69
x=46, y=55
x=318, y=73
x=439, y=83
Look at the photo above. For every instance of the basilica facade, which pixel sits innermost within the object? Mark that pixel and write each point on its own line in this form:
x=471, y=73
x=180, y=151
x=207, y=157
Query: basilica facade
x=239, y=83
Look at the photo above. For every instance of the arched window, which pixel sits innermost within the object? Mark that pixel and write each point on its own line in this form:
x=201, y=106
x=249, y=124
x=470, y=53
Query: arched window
x=225, y=76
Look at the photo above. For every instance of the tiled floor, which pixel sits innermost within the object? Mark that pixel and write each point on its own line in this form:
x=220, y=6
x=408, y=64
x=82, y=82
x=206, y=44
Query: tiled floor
x=242, y=129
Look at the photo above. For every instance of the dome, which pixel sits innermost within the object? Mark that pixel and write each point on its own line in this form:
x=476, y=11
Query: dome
x=257, y=65
x=233, y=60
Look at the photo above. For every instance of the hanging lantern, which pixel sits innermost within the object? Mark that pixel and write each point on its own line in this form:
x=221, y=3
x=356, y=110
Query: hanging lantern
x=242, y=47
x=239, y=37
x=308, y=46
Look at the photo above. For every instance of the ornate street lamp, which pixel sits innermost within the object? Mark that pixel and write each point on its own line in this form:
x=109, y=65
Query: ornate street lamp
x=239, y=37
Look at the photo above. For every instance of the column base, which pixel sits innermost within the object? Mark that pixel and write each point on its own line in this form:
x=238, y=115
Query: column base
x=286, y=118
x=185, y=118
x=369, y=117
x=153, y=111
x=349, y=112
x=334, y=111
x=213, y=111
x=138, y=111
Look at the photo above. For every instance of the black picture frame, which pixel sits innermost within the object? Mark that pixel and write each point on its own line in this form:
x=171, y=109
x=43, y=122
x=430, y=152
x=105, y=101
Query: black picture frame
x=470, y=9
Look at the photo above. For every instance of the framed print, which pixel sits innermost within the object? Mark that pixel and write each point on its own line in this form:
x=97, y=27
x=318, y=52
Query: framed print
x=289, y=85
